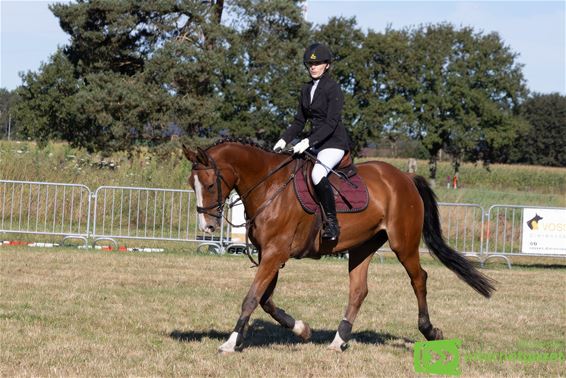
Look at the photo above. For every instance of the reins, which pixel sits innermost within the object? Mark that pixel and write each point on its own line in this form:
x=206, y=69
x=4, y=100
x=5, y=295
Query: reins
x=269, y=174
x=264, y=205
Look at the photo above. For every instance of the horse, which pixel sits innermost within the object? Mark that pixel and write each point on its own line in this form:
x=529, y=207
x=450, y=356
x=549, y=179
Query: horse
x=401, y=208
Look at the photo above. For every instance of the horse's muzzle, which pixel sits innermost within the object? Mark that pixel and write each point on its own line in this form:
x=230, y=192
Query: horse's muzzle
x=208, y=224
x=209, y=228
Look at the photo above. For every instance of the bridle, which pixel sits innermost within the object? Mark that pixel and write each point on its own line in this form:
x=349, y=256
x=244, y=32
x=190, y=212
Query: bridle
x=219, y=205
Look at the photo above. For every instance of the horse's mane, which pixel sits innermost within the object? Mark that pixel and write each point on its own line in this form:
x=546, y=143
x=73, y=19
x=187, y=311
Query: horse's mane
x=244, y=141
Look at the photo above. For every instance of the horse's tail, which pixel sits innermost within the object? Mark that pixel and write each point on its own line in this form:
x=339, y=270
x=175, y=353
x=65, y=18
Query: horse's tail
x=452, y=259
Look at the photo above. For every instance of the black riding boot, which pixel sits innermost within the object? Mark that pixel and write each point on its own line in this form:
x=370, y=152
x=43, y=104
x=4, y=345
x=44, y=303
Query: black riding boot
x=325, y=195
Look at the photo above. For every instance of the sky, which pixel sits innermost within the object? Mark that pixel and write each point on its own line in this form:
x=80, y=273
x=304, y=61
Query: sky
x=536, y=30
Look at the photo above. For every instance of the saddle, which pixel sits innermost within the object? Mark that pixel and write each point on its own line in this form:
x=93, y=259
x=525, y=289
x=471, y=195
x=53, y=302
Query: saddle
x=350, y=191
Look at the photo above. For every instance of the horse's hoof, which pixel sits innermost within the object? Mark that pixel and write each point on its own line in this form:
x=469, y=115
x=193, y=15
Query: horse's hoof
x=230, y=346
x=438, y=334
x=302, y=330
x=225, y=351
x=339, y=347
x=338, y=344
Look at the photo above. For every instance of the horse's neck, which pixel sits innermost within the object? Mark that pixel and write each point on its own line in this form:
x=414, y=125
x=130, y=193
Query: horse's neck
x=253, y=171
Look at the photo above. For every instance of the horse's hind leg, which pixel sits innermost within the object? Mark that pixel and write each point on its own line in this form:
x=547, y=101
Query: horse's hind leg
x=358, y=264
x=418, y=275
x=298, y=327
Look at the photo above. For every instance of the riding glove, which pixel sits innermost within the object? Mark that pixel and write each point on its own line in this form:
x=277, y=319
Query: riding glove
x=301, y=147
x=279, y=145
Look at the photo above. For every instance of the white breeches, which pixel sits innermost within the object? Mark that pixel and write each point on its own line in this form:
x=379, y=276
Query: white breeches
x=329, y=157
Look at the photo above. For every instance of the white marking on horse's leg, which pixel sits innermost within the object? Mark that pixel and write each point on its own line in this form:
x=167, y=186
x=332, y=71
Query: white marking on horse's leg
x=299, y=327
x=198, y=192
x=302, y=330
x=230, y=345
x=338, y=344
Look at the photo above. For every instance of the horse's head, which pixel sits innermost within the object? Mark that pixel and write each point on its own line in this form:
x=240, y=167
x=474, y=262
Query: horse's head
x=212, y=182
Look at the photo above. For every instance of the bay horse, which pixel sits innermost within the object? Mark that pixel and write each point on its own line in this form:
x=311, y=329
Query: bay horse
x=401, y=207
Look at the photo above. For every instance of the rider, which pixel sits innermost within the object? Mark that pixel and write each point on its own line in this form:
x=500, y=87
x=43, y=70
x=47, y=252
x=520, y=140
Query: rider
x=321, y=100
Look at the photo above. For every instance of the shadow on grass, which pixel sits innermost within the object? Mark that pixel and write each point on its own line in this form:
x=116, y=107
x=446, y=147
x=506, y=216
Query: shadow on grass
x=187, y=337
x=262, y=333
x=538, y=266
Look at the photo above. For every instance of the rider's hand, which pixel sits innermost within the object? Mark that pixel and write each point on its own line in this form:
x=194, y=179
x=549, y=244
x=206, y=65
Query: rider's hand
x=301, y=147
x=279, y=145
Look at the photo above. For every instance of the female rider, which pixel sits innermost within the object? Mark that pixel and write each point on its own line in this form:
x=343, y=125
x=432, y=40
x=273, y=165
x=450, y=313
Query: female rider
x=321, y=101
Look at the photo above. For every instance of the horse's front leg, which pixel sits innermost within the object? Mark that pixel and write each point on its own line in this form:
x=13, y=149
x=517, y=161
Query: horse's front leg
x=266, y=272
x=298, y=327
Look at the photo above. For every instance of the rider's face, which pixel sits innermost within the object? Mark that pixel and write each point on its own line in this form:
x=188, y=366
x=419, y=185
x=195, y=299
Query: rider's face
x=317, y=69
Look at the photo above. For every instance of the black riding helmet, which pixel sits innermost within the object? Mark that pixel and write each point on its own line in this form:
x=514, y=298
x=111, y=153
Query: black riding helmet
x=317, y=53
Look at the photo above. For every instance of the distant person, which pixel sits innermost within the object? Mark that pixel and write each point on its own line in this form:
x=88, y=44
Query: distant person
x=320, y=101
x=412, y=165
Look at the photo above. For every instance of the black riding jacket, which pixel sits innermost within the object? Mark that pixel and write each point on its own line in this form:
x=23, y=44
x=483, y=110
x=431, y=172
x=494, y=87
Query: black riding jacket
x=325, y=113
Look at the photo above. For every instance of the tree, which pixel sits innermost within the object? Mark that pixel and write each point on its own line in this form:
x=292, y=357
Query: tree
x=493, y=95
x=268, y=71
x=121, y=36
x=470, y=87
x=386, y=85
x=104, y=98
x=140, y=68
x=545, y=142
x=47, y=107
x=136, y=69
x=8, y=101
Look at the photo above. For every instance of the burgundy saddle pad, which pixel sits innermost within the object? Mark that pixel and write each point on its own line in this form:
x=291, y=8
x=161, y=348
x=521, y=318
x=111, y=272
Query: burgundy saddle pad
x=349, y=198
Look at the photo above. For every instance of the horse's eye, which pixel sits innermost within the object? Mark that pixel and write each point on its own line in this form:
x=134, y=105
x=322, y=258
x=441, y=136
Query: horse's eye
x=210, y=188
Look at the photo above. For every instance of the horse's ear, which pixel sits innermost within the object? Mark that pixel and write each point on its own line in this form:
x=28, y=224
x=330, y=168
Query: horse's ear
x=190, y=155
x=202, y=157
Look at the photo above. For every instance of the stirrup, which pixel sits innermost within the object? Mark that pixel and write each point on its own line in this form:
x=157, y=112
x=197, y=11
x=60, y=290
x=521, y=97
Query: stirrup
x=331, y=232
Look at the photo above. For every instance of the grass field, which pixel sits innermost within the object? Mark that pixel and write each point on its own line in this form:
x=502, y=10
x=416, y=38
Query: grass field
x=65, y=312
x=502, y=184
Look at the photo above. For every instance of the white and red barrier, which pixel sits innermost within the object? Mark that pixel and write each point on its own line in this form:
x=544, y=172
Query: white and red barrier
x=108, y=248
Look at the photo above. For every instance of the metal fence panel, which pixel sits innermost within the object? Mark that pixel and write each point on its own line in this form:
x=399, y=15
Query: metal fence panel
x=504, y=231
x=462, y=226
x=30, y=207
x=147, y=213
x=114, y=212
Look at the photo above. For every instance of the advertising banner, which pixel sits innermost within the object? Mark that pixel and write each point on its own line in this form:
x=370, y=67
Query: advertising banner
x=544, y=231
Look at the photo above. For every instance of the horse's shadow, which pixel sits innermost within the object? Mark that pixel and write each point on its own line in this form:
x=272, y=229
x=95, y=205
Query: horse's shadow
x=263, y=333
